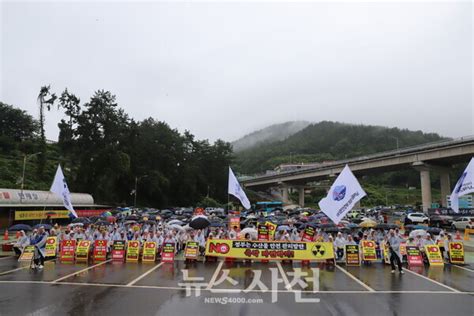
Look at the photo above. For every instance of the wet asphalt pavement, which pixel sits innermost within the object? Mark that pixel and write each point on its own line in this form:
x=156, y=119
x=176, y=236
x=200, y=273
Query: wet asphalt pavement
x=154, y=289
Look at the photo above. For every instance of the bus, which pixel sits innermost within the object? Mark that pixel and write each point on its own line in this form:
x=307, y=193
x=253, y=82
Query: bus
x=267, y=207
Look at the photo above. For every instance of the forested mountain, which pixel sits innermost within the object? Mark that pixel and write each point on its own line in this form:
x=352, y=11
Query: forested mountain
x=272, y=133
x=326, y=141
x=103, y=150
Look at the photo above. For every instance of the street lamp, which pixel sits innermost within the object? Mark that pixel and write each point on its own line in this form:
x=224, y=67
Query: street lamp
x=396, y=138
x=136, y=187
x=25, y=158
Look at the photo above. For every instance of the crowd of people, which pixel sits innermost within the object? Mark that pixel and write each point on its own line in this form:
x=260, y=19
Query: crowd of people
x=162, y=232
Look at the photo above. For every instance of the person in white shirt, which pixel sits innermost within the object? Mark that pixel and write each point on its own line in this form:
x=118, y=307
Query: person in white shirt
x=340, y=242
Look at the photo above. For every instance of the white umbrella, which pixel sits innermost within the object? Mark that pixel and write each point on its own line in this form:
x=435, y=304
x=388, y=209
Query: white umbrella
x=177, y=227
x=418, y=232
x=175, y=222
x=249, y=230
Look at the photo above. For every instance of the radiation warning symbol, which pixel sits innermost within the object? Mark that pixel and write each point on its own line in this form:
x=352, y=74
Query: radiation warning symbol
x=318, y=250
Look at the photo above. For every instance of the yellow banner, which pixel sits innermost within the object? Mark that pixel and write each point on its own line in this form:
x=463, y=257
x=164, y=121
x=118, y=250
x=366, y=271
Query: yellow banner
x=149, y=251
x=269, y=250
x=271, y=228
x=51, y=245
x=82, y=250
x=40, y=214
x=434, y=255
x=27, y=254
x=456, y=252
x=368, y=250
x=133, y=250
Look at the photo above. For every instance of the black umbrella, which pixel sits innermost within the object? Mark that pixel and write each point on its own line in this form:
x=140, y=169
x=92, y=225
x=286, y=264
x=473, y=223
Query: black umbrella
x=434, y=230
x=46, y=226
x=83, y=220
x=331, y=229
x=102, y=223
x=217, y=224
x=329, y=225
x=131, y=218
x=199, y=222
x=383, y=226
x=19, y=227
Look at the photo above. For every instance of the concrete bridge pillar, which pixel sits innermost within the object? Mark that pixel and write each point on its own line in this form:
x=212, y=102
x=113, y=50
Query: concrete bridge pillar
x=445, y=187
x=425, y=189
x=284, y=194
x=301, y=196
x=425, y=184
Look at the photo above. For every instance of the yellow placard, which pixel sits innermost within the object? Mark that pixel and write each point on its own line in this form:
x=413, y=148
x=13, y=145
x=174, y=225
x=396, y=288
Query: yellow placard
x=51, y=246
x=271, y=229
x=133, y=251
x=456, y=252
x=40, y=214
x=386, y=253
x=82, y=250
x=434, y=255
x=27, y=254
x=368, y=250
x=149, y=251
x=269, y=250
x=192, y=250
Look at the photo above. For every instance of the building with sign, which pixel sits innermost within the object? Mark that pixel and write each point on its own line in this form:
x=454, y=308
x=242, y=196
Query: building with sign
x=31, y=205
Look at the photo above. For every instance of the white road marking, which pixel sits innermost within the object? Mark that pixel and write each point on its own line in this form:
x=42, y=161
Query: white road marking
x=83, y=270
x=355, y=279
x=214, y=276
x=145, y=274
x=230, y=290
x=13, y=270
x=462, y=268
x=434, y=281
x=283, y=275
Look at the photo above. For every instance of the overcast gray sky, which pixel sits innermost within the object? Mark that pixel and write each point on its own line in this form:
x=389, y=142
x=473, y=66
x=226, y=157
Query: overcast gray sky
x=222, y=70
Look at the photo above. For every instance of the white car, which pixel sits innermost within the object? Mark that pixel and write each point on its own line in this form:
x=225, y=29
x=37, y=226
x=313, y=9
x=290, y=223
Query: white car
x=463, y=223
x=417, y=218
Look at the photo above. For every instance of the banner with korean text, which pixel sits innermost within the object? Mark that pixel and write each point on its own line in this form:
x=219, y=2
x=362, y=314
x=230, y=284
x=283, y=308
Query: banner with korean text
x=274, y=250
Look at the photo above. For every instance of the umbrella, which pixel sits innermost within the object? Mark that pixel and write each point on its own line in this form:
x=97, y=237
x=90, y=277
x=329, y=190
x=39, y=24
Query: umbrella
x=129, y=222
x=102, y=223
x=111, y=219
x=175, y=222
x=186, y=227
x=76, y=224
x=283, y=227
x=420, y=227
x=19, y=227
x=150, y=222
x=251, y=216
x=368, y=223
x=131, y=218
x=94, y=218
x=434, y=230
x=217, y=224
x=331, y=229
x=248, y=230
x=199, y=222
x=328, y=225
x=83, y=220
x=383, y=226
x=108, y=213
x=177, y=227
x=352, y=225
x=46, y=226
x=417, y=232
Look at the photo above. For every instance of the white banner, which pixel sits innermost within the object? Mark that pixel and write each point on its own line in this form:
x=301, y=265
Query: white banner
x=465, y=185
x=236, y=190
x=60, y=188
x=342, y=196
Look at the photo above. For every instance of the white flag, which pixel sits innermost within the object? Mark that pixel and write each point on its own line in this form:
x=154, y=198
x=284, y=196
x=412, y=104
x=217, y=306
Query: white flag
x=342, y=196
x=236, y=190
x=59, y=187
x=465, y=185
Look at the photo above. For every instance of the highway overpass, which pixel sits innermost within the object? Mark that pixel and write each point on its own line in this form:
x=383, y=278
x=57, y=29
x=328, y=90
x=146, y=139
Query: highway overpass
x=438, y=157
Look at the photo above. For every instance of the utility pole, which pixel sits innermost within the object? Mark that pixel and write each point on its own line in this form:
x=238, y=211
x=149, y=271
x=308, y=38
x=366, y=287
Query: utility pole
x=136, y=188
x=25, y=158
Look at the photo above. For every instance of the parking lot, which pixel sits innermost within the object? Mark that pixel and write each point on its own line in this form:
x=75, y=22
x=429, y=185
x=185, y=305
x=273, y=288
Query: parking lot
x=232, y=288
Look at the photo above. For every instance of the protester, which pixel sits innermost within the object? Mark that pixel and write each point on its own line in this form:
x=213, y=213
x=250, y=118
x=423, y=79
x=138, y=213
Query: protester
x=39, y=242
x=21, y=243
x=393, y=242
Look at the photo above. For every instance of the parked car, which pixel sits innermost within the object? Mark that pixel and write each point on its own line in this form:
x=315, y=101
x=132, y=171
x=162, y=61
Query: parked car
x=462, y=223
x=418, y=218
x=441, y=221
